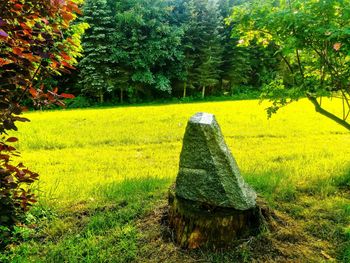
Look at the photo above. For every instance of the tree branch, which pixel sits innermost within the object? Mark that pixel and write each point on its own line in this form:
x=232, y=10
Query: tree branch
x=11, y=109
x=296, y=49
x=299, y=64
x=30, y=83
x=327, y=114
x=285, y=61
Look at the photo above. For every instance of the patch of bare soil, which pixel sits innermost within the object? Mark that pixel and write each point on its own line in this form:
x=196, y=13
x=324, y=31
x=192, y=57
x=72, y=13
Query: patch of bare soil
x=282, y=240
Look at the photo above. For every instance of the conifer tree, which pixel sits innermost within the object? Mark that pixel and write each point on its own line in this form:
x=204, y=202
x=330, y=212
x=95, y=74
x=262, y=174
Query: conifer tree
x=185, y=16
x=208, y=46
x=235, y=67
x=97, y=69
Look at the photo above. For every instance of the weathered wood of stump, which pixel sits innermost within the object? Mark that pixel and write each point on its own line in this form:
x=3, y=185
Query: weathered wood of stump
x=195, y=225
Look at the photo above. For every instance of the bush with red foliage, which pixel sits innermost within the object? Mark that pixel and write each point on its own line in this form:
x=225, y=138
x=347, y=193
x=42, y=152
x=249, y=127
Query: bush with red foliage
x=33, y=43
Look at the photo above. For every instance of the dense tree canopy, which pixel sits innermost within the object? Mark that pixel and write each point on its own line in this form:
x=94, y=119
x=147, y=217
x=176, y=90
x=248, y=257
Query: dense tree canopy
x=149, y=49
x=146, y=45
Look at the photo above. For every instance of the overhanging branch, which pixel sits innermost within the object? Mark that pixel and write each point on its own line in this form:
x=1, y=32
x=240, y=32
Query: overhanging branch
x=327, y=114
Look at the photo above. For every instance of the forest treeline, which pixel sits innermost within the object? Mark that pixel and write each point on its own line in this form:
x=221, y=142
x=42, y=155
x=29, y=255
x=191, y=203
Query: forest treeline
x=138, y=50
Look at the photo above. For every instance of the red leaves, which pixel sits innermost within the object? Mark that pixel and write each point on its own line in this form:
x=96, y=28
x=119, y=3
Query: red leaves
x=67, y=65
x=54, y=64
x=33, y=92
x=14, y=178
x=36, y=34
x=21, y=119
x=18, y=6
x=71, y=41
x=67, y=96
x=4, y=62
x=57, y=3
x=17, y=51
x=26, y=32
x=31, y=34
x=31, y=57
x=65, y=56
x=67, y=16
x=45, y=21
x=25, y=26
x=12, y=139
x=2, y=22
x=5, y=157
x=73, y=7
x=43, y=98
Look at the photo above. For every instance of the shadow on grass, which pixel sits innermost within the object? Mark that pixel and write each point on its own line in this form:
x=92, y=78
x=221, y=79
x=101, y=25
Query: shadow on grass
x=109, y=233
x=329, y=185
x=103, y=230
x=132, y=189
x=124, y=225
x=321, y=207
x=343, y=181
x=272, y=185
x=278, y=186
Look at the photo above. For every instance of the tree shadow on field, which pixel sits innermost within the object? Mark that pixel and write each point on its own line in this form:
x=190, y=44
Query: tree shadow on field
x=132, y=189
x=299, y=228
x=274, y=186
x=104, y=230
x=283, y=240
x=343, y=181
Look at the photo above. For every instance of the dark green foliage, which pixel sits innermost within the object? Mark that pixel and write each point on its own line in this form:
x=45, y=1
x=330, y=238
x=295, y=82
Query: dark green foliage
x=164, y=48
x=235, y=67
x=145, y=46
x=208, y=45
x=79, y=102
x=98, y=72
x=184, y=15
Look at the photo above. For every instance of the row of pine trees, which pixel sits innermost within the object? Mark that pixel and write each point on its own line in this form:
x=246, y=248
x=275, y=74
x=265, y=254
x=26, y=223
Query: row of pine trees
x=162, y=48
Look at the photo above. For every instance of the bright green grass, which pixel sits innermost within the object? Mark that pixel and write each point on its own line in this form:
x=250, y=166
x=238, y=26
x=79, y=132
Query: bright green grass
x=76, y=152
x=127, y=157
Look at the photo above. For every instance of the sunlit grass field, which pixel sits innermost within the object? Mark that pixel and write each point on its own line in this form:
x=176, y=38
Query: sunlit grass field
x=298, y=161
x=77, y=152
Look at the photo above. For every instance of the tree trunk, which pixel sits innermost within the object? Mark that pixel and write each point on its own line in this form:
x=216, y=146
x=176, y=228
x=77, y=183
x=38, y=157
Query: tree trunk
x=185, y=89
x=121, y=96
x=198, y=226
x=203, y=92
x=101, y=96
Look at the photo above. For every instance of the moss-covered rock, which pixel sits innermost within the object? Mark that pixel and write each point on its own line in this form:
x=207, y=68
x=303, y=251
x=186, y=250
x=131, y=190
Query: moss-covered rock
x=208, y=172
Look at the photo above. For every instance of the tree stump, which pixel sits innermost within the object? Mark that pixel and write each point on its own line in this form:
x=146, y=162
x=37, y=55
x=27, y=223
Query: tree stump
x=196, y=225
x=210, y=205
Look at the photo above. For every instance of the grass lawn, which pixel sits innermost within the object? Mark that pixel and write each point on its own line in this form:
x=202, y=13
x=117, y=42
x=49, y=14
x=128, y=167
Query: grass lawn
x=104, y=175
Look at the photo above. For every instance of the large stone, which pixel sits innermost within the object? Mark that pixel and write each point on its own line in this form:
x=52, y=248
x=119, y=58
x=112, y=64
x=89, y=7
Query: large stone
x=208, y=172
